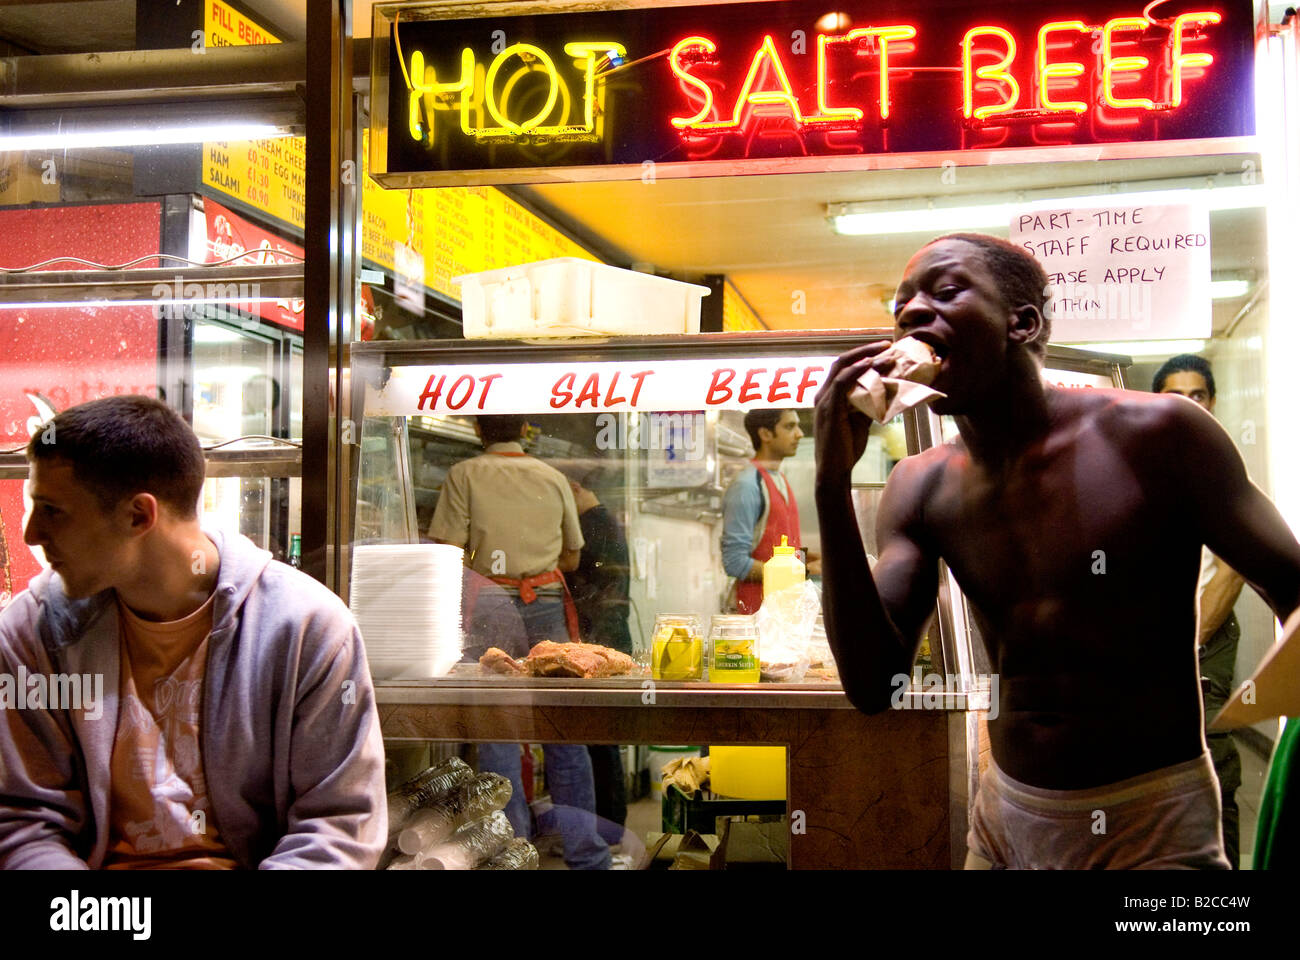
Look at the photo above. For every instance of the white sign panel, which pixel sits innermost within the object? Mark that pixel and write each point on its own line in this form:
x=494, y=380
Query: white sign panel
x=612, y=386
x=1123, y=272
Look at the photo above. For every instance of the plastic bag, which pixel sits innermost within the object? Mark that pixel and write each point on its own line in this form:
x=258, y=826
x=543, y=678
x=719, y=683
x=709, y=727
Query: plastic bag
x=470, y=845
x=785, y=624
x=439, y=820
x=423, y=789
x=517, y=855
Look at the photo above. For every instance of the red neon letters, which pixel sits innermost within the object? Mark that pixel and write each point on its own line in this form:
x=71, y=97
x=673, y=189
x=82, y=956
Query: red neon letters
x=1115, y=59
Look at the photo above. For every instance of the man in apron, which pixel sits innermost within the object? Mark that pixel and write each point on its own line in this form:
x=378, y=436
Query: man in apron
x=516, y=519
x=759, y=507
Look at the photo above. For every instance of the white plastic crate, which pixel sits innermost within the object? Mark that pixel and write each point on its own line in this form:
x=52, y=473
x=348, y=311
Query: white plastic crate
x=571, y=297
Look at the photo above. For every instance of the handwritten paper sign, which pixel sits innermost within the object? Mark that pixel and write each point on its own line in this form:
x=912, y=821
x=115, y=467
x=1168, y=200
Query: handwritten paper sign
x=1122, y=272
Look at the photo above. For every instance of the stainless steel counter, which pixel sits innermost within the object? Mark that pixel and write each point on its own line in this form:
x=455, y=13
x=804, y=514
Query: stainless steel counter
x=610, y=692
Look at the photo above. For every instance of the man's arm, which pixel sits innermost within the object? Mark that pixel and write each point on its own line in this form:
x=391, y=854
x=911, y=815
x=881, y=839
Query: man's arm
x=742, y=505
x=874, y=625
x=43, y=807
x=1217, y=600
x=1240, y=524
x=569, y=560
x=339, y=815
x=875, y=622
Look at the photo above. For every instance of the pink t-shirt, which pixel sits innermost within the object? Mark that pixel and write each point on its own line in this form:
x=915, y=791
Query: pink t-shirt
x=159, y=814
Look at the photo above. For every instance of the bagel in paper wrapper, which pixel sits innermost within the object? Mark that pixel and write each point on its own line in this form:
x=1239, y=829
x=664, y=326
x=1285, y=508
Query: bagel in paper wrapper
x=911, y=369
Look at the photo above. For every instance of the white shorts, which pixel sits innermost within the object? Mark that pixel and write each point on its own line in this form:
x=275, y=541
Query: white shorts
x=1163, y=820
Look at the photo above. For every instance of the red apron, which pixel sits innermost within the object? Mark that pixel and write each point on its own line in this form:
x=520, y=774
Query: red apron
x=782, y=519
x=528, y=595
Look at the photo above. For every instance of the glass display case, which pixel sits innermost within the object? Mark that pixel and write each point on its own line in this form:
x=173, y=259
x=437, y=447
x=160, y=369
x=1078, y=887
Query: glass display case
x=650, y=431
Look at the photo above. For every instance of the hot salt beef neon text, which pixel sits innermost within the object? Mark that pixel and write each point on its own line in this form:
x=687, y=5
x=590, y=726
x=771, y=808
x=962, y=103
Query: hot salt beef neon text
x=1125, y=57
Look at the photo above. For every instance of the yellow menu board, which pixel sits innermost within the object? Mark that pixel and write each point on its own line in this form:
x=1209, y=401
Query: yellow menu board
x=265, y=174
x=737, y=314
x=456, y=230
x=224, y=26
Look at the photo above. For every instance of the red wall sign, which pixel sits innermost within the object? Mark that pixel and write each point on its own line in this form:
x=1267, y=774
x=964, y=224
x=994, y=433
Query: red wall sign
x=52, y=358
x=230, y=235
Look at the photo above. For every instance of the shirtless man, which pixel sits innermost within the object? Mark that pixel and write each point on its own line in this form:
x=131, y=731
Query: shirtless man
x=1073, y=521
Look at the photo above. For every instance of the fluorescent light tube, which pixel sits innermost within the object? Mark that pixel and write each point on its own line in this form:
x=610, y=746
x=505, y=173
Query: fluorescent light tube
x=1145, y=348
x=78, y=304
x=869, y=218
x=139, y=136
x=1228, y=289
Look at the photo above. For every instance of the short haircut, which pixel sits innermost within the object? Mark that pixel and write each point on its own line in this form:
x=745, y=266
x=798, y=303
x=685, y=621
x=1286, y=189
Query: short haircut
x=120, y=446
x=761, y=418
x=1018, y=274
x=1184, y=363
x=501, y=428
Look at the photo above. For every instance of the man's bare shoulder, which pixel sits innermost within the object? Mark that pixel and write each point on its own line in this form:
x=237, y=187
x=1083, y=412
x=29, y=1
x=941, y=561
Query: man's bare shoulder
x=1134, y=415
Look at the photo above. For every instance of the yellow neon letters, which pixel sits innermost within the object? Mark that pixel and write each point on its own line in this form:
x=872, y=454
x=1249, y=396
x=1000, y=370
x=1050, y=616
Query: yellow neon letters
x=826, y=113
x=884, y=34
x=766, y=50
x=1179, y=60
x=679, y=71
x=1112, y=65
x=1060, y=70
x=993, y=71
x=476, y=91
x=425, y=85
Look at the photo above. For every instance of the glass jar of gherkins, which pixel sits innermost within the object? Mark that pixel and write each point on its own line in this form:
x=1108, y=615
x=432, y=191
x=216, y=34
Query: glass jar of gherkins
x=677, y=648
x=733, y=645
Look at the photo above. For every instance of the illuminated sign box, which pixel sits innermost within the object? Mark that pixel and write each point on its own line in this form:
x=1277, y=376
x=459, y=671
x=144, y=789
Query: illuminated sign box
x=781, y=86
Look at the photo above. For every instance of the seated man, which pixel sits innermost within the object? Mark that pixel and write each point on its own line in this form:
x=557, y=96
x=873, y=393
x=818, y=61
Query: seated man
x=235, y=724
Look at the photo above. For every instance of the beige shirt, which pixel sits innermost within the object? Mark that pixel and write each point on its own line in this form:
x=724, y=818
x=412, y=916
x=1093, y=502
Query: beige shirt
x=159, y=813
x=512, y=513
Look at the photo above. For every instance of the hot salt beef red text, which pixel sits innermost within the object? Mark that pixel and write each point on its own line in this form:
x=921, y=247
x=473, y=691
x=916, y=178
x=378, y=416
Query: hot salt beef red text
x=562, y=393
x=757, y=384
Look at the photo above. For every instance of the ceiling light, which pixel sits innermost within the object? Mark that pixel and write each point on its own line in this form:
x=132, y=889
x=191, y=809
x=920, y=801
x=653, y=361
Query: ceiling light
x=932, y=214
x=139, y=135
x=1138, y=349
x=83, y=304
x=1228, y=289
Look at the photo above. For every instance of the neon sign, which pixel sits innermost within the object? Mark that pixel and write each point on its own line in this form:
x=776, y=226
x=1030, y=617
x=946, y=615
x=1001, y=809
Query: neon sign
x=476, y=90
x=761, y=81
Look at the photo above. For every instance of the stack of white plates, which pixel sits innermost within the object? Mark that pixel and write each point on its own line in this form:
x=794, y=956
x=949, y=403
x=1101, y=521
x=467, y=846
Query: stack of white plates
x=406, y=598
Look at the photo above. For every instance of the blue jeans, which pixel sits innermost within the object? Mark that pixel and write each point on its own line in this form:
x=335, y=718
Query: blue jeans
x=568, y=766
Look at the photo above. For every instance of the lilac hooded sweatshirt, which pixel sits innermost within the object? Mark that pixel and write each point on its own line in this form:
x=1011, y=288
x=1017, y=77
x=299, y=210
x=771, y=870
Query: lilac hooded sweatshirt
x=291, y=748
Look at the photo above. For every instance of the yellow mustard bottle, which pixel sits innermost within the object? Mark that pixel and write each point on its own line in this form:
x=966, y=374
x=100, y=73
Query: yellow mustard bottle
x=785, y=569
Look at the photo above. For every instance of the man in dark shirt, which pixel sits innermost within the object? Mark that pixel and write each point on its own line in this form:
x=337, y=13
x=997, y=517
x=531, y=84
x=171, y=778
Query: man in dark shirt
x=600, y=592
x=600, y=584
